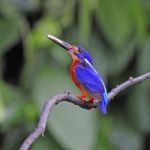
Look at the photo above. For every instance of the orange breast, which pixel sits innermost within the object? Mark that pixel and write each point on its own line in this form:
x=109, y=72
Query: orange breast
x=74, y=78
x=72, y=73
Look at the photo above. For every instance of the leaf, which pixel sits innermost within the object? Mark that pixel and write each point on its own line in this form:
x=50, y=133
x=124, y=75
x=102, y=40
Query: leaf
x=99, y=55
x=32, y=67
x=139, y=17
x=139, y=100
x=104, y=128
x=9, y=34
x=138, y=107
x=10, y=143
x=38, y=40
x=55, y=8
x=63, y=11
x=13, y=105
x=85, y=20
x=71, y=126
x=123, y=138
x=143, y=60
x=67, y=18
x=114, y=20
x=42, y=143
x=60, y=55
x=119, y=19
x=27, y=6
x=119, y=60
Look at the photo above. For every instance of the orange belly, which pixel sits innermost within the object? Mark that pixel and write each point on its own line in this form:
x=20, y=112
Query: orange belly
x=76, y=81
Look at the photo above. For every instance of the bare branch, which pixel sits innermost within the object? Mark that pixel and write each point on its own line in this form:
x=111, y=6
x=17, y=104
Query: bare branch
x=131, y=81
x=67, y=97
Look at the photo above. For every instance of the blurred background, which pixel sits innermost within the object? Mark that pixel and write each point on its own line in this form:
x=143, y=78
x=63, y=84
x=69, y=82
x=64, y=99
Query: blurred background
x=32, y=69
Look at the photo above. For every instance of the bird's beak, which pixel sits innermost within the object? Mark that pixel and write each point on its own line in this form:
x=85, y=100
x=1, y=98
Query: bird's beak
x=65, y=45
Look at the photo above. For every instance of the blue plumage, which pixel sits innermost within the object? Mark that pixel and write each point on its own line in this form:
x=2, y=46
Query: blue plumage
x=91, y=79
x=84, y=74
x=83, y=53
x=92, y=82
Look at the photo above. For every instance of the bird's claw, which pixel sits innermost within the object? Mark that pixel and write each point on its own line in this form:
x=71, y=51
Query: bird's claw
x=81, y=98
x=91, y=100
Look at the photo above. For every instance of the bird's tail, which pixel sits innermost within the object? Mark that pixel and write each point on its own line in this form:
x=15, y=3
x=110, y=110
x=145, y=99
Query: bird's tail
x=103, y=103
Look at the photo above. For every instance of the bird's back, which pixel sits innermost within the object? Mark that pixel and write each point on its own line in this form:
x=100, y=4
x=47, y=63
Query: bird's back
x=89, y=77
x=92, y=81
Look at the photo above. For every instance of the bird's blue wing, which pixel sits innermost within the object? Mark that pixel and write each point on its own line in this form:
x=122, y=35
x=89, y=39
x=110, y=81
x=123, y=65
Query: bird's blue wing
x=89, y=78
x=92, y=81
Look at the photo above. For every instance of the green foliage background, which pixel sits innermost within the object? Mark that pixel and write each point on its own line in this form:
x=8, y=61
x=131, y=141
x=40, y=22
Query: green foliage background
x=116, y=33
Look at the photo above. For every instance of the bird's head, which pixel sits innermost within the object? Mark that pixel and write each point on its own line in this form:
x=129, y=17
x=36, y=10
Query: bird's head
x=77, y=52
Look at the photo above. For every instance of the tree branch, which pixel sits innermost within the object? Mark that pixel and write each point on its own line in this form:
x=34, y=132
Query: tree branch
x=67, y=97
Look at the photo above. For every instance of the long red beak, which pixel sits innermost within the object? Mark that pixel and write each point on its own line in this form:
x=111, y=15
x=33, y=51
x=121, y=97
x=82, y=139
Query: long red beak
x=63, y=44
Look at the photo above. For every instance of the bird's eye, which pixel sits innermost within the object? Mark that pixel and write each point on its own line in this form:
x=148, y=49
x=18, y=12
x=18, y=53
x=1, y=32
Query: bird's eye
x=79, y=49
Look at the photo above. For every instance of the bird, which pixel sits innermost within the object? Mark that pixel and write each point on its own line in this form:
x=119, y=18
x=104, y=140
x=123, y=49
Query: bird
x=84, y=75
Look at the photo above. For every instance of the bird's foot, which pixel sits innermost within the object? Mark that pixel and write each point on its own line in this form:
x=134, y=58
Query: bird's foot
x=91, y=100
x=81, y=98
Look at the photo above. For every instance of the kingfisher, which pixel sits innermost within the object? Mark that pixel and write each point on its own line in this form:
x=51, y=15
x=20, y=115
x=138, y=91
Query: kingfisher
x=84, y=75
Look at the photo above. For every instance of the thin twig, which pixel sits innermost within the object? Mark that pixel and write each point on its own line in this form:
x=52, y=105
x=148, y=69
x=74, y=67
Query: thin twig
x=131, y=81
x=67, y=97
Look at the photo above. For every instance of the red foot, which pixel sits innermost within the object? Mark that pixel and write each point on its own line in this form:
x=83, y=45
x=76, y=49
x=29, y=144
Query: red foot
x=81, y=98
x=91, y=100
